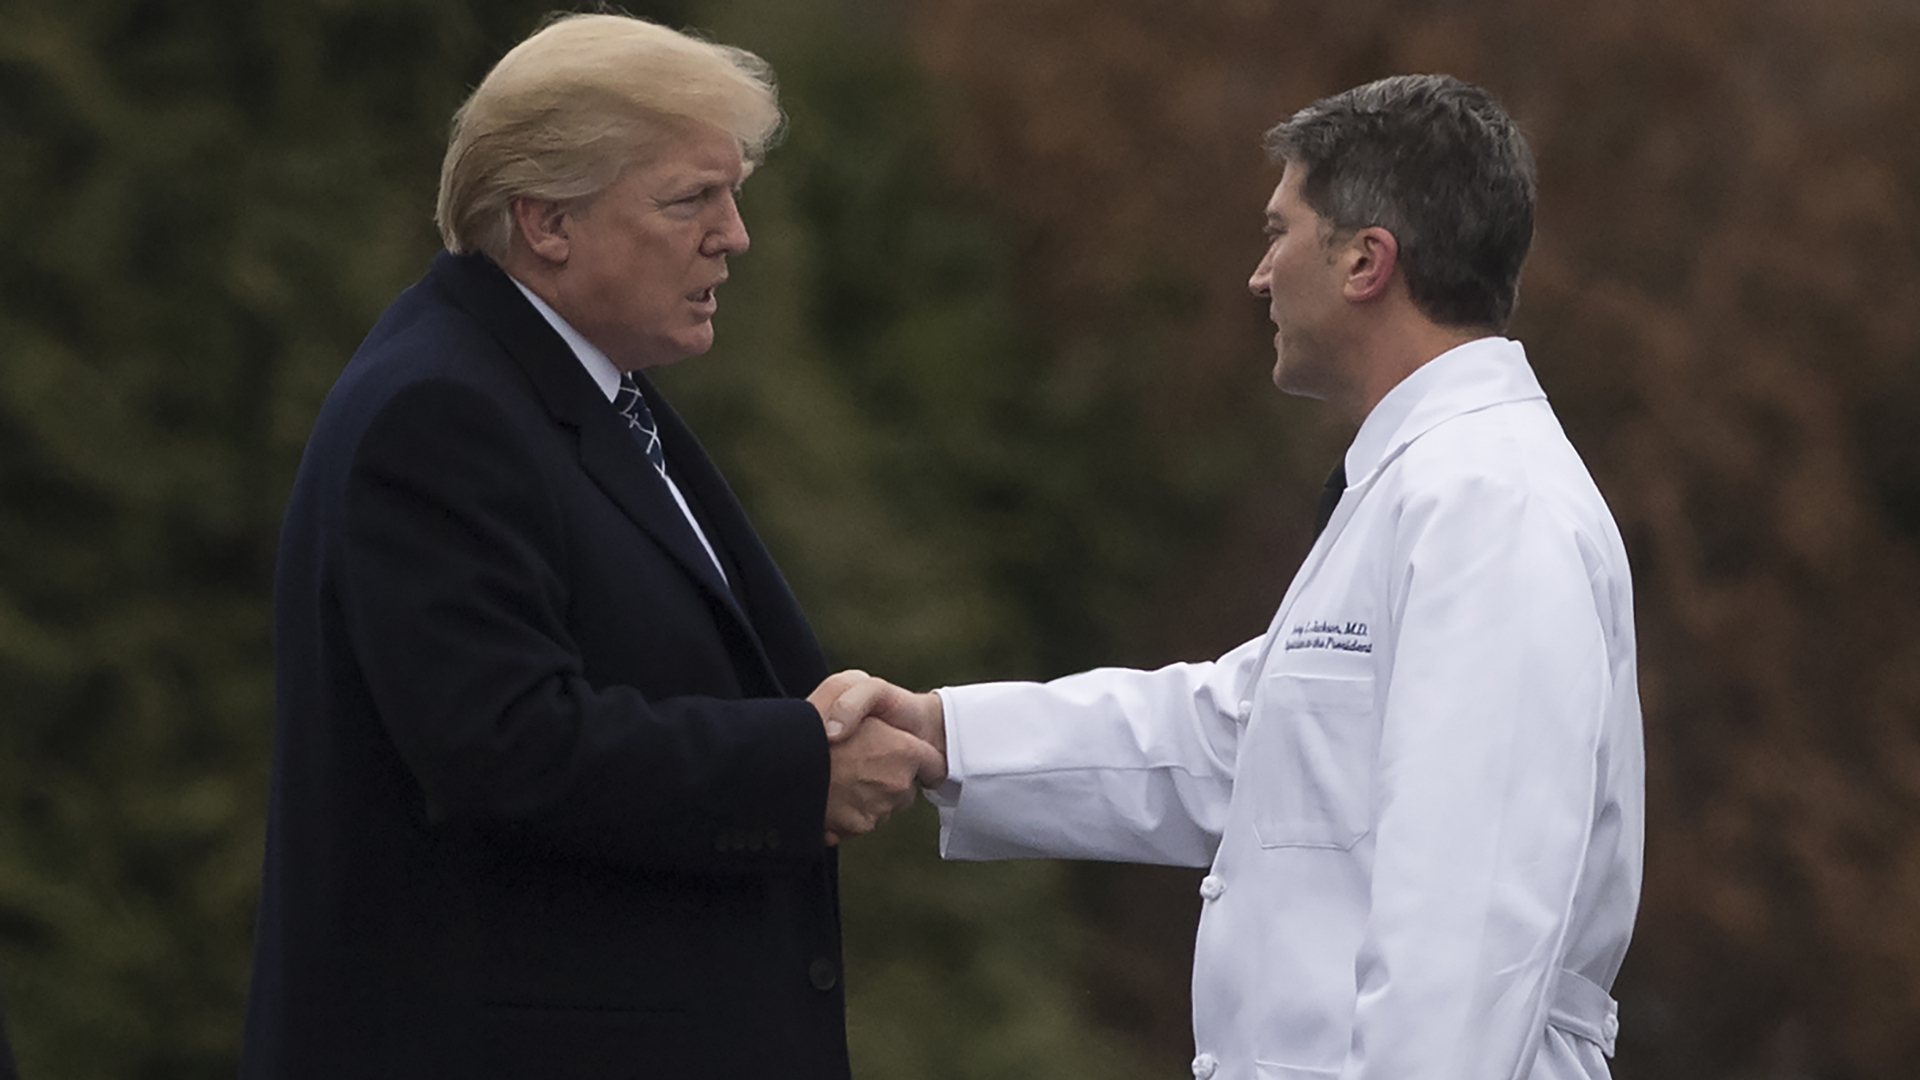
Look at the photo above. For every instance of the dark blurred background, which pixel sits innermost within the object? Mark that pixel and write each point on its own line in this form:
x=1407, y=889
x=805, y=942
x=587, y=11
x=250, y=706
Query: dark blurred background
x=991, y=386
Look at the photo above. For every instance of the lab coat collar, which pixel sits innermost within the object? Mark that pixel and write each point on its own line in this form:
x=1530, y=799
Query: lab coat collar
x=1480, y=374
x=1484, y=372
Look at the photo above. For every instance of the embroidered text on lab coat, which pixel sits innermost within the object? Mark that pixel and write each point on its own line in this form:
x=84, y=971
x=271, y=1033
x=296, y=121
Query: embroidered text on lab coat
x=1339, y=636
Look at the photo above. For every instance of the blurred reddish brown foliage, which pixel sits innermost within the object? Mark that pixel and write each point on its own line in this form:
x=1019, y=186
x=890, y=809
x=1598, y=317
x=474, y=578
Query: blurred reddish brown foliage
x=1723, y=302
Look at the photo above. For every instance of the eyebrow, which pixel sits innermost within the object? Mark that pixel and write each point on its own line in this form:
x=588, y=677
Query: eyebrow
x=701, y=174
x=702, y=182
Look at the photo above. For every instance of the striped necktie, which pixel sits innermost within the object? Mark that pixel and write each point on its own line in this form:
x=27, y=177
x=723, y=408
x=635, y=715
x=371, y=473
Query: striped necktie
x=640, y=421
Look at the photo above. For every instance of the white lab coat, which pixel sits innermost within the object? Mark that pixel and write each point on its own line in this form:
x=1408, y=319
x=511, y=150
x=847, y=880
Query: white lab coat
x=1420, y=793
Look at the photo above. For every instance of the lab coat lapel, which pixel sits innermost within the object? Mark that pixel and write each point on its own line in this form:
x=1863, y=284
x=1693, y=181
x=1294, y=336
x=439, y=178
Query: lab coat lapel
x=1478, y=375
x=1342, y=514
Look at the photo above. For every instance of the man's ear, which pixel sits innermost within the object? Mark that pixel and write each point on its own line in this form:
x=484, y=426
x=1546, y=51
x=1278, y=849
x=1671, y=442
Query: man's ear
x=1372, y=255
x=544, y=225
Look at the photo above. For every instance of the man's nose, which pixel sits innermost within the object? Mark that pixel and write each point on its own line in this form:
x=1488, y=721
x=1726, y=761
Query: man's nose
x=729, y=234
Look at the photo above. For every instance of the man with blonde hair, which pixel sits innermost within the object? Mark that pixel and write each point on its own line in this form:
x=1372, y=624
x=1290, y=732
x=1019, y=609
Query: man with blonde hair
x=546, y=800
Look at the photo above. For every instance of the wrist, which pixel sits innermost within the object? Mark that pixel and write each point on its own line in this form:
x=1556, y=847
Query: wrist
x=936, y=733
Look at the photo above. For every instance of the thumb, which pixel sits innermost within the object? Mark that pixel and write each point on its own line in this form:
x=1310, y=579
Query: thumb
x=852, y=708
x=832, y=687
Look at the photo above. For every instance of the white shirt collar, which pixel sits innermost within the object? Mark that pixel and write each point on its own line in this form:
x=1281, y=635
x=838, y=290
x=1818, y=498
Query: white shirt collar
x=605, y=375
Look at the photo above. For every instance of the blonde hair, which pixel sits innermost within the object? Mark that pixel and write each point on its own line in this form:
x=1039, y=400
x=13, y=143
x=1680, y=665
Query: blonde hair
x=569, y=109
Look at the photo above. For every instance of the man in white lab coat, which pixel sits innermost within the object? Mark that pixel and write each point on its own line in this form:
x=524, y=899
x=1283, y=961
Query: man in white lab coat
x=1420, y=792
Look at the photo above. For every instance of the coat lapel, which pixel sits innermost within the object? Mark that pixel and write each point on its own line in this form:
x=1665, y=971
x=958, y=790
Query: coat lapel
x=784, y=636
x=608, y=452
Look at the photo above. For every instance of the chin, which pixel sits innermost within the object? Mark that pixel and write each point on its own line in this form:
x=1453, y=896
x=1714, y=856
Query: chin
x=1289, y=382
x=1283, y=377
x=694, y=343
x=664, y=350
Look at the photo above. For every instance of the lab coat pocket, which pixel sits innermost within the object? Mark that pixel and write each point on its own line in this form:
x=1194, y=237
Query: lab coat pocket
x=1311, y=750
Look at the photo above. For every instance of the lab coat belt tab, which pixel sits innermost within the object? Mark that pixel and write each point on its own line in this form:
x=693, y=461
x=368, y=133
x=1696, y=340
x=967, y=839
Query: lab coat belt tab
x=1582, y=1009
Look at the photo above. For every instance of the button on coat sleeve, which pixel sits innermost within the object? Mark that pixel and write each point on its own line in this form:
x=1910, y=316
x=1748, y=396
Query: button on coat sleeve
x=1486, y=786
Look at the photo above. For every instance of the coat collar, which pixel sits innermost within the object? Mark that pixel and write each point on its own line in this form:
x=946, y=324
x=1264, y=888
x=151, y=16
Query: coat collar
x=607, y=450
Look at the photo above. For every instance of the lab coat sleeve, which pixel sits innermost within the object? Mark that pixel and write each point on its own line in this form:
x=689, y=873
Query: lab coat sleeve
x=1111, y=764
x=1486, y=786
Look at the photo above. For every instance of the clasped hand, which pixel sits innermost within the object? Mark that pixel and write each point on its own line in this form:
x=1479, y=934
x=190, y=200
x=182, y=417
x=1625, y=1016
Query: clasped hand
x=877, y=767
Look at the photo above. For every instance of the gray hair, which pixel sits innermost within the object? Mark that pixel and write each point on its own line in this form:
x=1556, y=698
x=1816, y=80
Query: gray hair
x=1439, y=164
x=571, y=108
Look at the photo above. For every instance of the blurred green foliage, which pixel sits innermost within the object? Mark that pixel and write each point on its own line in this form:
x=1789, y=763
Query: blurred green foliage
x=204, y=204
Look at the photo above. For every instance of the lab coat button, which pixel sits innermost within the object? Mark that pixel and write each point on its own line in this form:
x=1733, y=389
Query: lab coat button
x=1211, y=887
x=1245, y=711
x=1610, y=1027
x=1203, y=1066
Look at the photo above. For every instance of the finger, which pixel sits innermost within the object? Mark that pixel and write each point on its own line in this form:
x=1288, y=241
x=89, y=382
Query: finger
x=849, y=820
x=836, y=820
x=830, y=690
x=930, y=768
x=833, y=686
x=840, y=821
x=901, y=788
x=903, y=798
x=847, y=712
x=907, y=711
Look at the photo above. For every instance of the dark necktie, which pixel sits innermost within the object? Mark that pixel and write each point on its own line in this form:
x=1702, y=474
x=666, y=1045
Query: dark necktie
x=640, y=421
x=1330, y=497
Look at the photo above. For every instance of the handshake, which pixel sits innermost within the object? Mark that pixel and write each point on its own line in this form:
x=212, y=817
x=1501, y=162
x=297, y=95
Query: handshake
x=877, y=767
